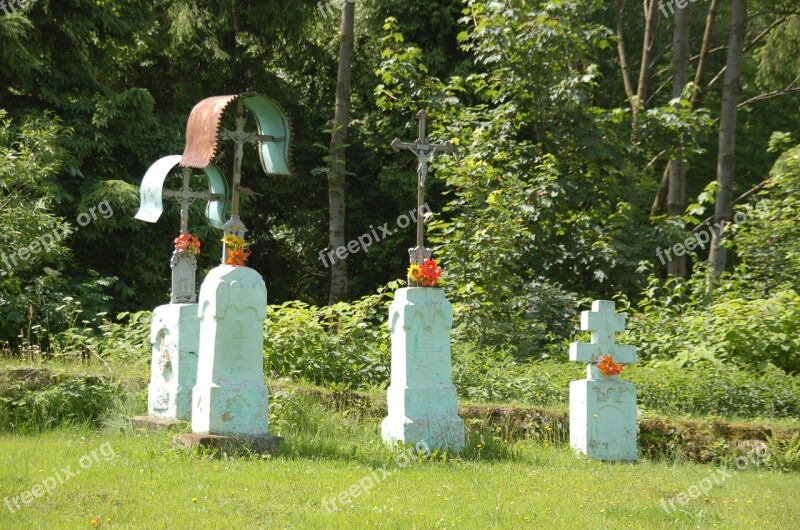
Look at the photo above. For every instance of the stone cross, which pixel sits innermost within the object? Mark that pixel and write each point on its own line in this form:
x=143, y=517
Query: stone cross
x=422, y=149
x=602, y=409
x=240, y=137
x=604, y=323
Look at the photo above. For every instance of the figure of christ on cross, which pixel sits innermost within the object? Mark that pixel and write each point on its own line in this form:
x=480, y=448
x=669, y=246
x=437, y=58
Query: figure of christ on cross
x=421, y=149
x=240, y=137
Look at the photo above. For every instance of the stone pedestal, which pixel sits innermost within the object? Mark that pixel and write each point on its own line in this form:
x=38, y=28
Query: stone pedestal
x=230, y=398
x=174, y=335
x=602, y=417
x=422, y=401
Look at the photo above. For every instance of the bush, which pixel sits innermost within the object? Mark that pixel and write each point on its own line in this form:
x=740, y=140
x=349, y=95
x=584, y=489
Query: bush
x=347, y=343
x=44, y=402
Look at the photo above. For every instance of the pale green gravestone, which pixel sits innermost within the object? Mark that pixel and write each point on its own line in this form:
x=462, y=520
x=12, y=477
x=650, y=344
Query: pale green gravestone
x=230, y=398
x=175, y=327
x=602, y=408
x=422, y=400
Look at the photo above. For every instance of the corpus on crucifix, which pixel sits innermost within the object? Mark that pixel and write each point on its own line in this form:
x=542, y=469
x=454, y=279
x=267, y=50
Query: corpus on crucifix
x=422, y=149
x=203, y=136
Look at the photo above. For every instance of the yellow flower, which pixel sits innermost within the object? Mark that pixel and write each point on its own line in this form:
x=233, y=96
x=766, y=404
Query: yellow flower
x=414, y=271
x=233, y=242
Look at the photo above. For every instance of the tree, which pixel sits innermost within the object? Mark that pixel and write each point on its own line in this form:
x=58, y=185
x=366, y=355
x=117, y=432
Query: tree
x=336, y=172
x=726, y=157
x=676, y=202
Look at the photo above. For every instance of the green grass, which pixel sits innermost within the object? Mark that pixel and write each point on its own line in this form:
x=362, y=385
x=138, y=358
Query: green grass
x=495, y=483
x=150, y=485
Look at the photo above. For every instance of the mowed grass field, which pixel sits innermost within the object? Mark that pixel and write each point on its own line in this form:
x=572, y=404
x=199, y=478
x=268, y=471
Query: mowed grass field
x=141, y=481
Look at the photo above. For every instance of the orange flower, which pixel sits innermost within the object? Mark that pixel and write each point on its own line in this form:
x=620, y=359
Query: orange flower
x=608, y=367
x=187, y=243
x=237, y=257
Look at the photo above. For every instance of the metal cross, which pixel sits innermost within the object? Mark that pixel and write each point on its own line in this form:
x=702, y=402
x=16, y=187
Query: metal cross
x=240, y=137
x=422, y=149
x=186, y=197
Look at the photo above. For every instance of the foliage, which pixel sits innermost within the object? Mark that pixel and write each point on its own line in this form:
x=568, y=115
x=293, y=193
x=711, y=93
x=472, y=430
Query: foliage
x=767, y=244
x=680, y=323
x=66, y=399
x=346, y=344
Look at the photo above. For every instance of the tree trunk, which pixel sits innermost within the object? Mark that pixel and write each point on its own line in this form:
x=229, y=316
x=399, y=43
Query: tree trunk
x=727, y=136
x=336, y=172
x=702, y=63
x=676, y=198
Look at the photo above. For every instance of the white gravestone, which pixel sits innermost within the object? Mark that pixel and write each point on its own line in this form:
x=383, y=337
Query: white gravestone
x=174, y=335
x=602, y=409
x=422, y=401
x=230, y=398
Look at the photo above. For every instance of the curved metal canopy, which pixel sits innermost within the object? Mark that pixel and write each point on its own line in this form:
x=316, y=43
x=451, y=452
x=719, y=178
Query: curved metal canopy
x=151, y=192
x=203, y=132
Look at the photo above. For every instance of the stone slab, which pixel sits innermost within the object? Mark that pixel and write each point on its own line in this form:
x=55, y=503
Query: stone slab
x=155, y=423
x=230, y=444
x=602, y=419
x=175, y=340
x=422, y=404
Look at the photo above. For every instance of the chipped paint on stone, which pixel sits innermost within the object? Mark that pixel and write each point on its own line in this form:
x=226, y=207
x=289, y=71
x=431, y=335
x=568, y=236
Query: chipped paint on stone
x=230, y=397
x=174, y=335
x=422, y=401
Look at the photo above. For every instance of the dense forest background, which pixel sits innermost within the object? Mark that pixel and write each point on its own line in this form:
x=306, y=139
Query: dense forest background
x=590, y=136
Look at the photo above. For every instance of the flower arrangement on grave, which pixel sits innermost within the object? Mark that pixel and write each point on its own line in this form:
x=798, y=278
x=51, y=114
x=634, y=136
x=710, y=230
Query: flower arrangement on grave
x=608, y=367
x=237, y=250
x=425, y=275
x=186, y=243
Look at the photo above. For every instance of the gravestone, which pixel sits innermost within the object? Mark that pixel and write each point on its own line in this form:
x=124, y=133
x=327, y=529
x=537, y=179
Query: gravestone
x=421, y=398
x=230, y=401
x=602, y=408
x=175, y=328
x=230, y=398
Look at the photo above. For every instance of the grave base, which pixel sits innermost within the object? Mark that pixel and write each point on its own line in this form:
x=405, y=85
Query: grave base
x=602, y=418
x=230, y=444
x=155, y=423
x=175, y=337
x=445, y=433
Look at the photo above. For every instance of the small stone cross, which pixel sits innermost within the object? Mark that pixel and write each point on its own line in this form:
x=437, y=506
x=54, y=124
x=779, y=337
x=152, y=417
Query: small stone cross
x=604, y=323
x=422, y=149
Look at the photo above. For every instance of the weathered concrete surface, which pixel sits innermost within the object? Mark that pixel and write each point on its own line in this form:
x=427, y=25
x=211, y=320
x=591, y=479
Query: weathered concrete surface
x=175, y=338
x=230, y=397
x=422, y=401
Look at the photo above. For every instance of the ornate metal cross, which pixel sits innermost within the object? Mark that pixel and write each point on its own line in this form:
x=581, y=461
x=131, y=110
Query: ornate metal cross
x=151, y=194
x=422, y=149
x=240, y=137
x=186, y=197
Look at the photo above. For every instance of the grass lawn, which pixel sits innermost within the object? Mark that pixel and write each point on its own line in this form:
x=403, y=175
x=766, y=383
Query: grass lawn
x=140, y=481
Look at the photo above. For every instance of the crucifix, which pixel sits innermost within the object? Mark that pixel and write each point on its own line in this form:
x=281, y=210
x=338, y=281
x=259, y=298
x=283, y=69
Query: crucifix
x=240, y=137
x=151, y=194
x=421, y=149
